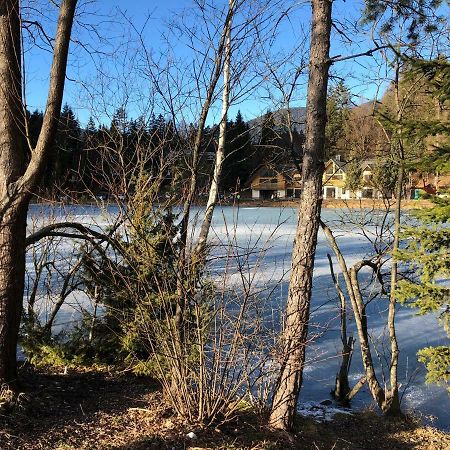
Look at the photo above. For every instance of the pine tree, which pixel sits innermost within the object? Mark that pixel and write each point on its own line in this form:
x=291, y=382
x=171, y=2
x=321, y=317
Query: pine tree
x=239, y=154
x=427, y=245
x=65, y=153
x=120, y=122
x=90, y=156
x=267, y=151
x=90, y=127
x=354, y=176
x=69, y=144
x=338, y=111
x=34, y=126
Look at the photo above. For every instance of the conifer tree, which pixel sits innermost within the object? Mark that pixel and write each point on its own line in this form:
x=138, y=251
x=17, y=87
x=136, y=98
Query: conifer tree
x=238, y=162
x=338, y=111
x=268, y=141
x=427, y=245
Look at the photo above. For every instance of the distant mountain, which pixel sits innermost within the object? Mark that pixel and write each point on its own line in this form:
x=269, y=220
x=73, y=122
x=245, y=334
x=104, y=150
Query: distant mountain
x=298, y=116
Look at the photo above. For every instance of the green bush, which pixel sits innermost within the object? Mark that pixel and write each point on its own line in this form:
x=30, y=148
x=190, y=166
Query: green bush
x=134, y=285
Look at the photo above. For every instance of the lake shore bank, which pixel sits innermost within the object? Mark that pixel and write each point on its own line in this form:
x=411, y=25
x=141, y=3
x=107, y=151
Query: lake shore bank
x=93, y=409
x=275, y=228
x=330, y=203
x=280, y=203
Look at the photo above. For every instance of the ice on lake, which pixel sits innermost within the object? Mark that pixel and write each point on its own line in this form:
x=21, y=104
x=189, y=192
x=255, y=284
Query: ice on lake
x=267, y=234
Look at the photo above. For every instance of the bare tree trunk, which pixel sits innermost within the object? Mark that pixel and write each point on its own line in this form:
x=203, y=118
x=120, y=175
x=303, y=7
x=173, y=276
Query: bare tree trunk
x=342, y=386
x=392, y=402
x=220, y=154
x=351, y=281
x=12, y=278
x=12, y=220
x=17, y=181
x=386, y=399
x=359, y=311
x=289, y=382
x=183, y=266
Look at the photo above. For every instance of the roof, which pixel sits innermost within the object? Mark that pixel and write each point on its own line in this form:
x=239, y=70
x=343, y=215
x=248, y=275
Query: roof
x=287, y=170
x=339, y=163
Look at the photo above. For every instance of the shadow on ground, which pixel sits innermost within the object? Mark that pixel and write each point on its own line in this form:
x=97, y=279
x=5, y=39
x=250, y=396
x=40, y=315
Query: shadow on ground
x=97, y=410
x=58, y=408
x=368, y=432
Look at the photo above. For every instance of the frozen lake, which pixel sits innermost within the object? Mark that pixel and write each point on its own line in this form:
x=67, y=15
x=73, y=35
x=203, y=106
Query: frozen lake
x=273, y=230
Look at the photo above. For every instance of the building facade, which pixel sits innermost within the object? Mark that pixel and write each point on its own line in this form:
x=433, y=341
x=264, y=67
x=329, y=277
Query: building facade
x=285, y=182
x=273, y=183
x=334, y=182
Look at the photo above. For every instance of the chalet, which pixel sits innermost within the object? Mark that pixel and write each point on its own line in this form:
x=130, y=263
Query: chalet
x=275, y=182
x=334, y=180
x=285, y=181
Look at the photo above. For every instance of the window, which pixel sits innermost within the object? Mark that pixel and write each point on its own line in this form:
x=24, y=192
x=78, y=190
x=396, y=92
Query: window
x=333, y=173
x=330, y=192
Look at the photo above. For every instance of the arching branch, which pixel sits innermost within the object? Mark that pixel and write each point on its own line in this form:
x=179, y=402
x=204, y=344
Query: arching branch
x=86, y=233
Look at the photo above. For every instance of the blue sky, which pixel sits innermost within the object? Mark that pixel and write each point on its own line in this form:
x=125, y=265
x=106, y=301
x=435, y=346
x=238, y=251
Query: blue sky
x=113, y=19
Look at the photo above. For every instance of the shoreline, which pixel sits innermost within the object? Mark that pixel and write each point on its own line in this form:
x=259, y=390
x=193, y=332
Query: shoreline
x=249, y=203
x=329, y=204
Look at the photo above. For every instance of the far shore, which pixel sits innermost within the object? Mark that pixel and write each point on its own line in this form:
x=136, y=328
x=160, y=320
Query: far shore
x=331, y=203
x=282, y=203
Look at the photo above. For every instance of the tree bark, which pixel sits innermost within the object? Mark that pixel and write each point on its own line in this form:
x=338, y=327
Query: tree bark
x=13, y=220
x=392, y=402
x=12, y=277
x=17, y=180
x=12, y=156
x=289, y=381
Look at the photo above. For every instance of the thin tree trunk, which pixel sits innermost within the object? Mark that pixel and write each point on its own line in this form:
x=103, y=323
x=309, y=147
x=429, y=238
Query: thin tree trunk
x=351, y=281
x=386, y=399
x=361, y=325
x=182, y=264
x=392, y=403
x=289, y=381
x=220, y=154
x=183, y=267
x=342, y=386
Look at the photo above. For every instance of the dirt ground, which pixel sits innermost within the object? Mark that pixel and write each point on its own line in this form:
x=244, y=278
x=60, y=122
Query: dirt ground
x=98, y=410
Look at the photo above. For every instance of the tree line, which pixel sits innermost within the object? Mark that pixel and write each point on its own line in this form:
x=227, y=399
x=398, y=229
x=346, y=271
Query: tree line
x=81, y=161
